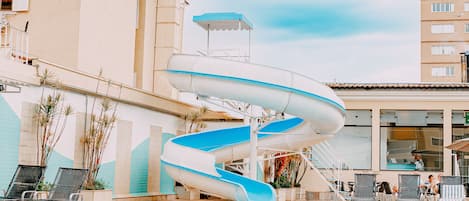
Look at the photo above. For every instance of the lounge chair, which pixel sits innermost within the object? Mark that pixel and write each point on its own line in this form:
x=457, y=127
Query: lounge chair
x=364, y=188
x=67, y=185
x=384, y=191
x=409, y=187
x=26, y=178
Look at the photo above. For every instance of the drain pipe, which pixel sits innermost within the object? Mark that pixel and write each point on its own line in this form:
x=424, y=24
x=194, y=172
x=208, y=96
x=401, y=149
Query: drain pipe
x=154, y=47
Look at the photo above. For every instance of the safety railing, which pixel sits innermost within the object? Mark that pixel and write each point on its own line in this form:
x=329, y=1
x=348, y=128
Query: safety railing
x=14, y=43
x=329, y=166
x=234, y=54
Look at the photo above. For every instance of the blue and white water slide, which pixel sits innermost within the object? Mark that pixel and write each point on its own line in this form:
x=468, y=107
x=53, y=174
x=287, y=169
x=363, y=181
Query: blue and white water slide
x=191, y=159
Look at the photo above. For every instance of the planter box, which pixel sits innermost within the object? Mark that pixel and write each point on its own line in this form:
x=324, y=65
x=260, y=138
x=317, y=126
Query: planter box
x=290, y=194
x=42, y=195
x=97, y=195
x=280, y=194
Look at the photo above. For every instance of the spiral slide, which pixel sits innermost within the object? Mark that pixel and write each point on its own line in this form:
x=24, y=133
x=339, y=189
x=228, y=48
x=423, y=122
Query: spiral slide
x=191, y=159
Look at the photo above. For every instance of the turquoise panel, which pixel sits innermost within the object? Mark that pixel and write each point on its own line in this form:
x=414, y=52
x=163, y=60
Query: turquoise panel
x=139, y=168
x=166, y=182
x=56, y=160
x=106, y=174
x=9, y=143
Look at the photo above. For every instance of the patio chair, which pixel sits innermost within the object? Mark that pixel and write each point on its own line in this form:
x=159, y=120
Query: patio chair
x=67, y=185
x=451, y=180
x=26, y=178
x=409, y=187
x=384, y=191
x=364, y=188
x=451, y=192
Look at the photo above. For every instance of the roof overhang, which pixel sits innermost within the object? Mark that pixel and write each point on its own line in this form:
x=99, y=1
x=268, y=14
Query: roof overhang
x=223, y=21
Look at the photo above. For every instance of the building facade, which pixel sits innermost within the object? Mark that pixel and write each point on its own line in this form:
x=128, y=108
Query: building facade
x=130, y=42
x=388, y=124
x=444, y=35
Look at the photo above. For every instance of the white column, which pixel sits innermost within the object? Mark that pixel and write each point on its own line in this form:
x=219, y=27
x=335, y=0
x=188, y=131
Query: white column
x=447, y=139
x=253, y=155
x=375, y=139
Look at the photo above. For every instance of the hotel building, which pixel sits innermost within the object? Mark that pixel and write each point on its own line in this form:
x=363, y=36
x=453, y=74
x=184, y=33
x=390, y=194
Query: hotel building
x=444, y=35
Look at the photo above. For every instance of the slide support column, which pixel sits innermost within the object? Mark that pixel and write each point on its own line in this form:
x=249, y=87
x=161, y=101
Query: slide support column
x=253, y=155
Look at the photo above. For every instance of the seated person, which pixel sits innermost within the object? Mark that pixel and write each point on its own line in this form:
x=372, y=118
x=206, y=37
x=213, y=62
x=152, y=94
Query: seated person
x=430, y=186
x=419, y=165
x=437, y=188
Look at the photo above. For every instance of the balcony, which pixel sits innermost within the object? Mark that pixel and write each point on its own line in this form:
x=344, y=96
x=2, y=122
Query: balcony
x=14, y=43
x=14, y=5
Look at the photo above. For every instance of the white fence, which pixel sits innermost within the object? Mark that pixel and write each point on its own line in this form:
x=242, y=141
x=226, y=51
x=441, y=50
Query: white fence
x=14, y=43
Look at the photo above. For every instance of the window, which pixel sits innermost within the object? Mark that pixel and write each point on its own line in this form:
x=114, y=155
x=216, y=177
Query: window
x=437, y=141
x=14, y=5
x=466, y=28
x=461, y=131
x=466, y=6
x=444, y=71
x=407, y=136
x=443, y=50
x=442, y=28
x=351, y=141
x=442, y=7
x=6, y=4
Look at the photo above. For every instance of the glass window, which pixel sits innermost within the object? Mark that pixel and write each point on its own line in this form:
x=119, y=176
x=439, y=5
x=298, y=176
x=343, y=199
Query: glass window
x=443, y=71
x=466, y=28
x=442, y=28
x=411, y=140
x=442, y=7
x=466, y=6
x=461, y=131
x=351, y=141
x=443, y=50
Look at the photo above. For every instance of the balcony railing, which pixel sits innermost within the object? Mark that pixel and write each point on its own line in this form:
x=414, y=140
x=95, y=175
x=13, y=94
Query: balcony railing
x=14, y=43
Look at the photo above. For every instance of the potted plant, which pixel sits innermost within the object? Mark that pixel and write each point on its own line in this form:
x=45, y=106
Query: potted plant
x=50, y=118
x=288, y=174
x=193, y=121
x=101, y=122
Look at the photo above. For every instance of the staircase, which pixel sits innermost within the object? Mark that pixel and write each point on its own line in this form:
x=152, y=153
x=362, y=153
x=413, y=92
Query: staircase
x=322, y=160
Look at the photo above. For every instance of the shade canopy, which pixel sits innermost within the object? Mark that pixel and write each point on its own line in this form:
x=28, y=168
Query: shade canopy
x=460, y=145
x=223, y=21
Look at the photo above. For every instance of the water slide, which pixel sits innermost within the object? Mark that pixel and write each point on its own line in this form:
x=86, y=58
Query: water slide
x=191, y=159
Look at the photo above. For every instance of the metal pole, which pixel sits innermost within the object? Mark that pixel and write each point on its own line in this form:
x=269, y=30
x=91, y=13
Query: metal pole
x=249, y=51
x=253, y=155
x=208, y=40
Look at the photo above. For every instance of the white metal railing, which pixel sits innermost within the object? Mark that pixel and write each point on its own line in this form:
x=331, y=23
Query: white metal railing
x=235, y=54
x=328, y=165
x=14, y=43
x=321, y=175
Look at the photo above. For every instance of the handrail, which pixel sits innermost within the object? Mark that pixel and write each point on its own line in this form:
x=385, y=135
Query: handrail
x=349, y=167
x=311, y=165
x=16, y=43
x=330, y=166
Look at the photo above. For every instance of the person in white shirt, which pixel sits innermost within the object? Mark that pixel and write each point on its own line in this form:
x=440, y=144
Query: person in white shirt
x=419, y=165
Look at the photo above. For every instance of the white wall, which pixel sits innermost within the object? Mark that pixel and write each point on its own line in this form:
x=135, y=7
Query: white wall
x=142, y=120
x=107, y=38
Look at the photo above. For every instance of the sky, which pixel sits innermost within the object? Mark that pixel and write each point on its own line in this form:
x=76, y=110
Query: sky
x=328, y=40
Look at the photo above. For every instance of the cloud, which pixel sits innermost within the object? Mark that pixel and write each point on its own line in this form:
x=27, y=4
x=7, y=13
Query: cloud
x=330, y=40
x=324, y=18
x=381, y=57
